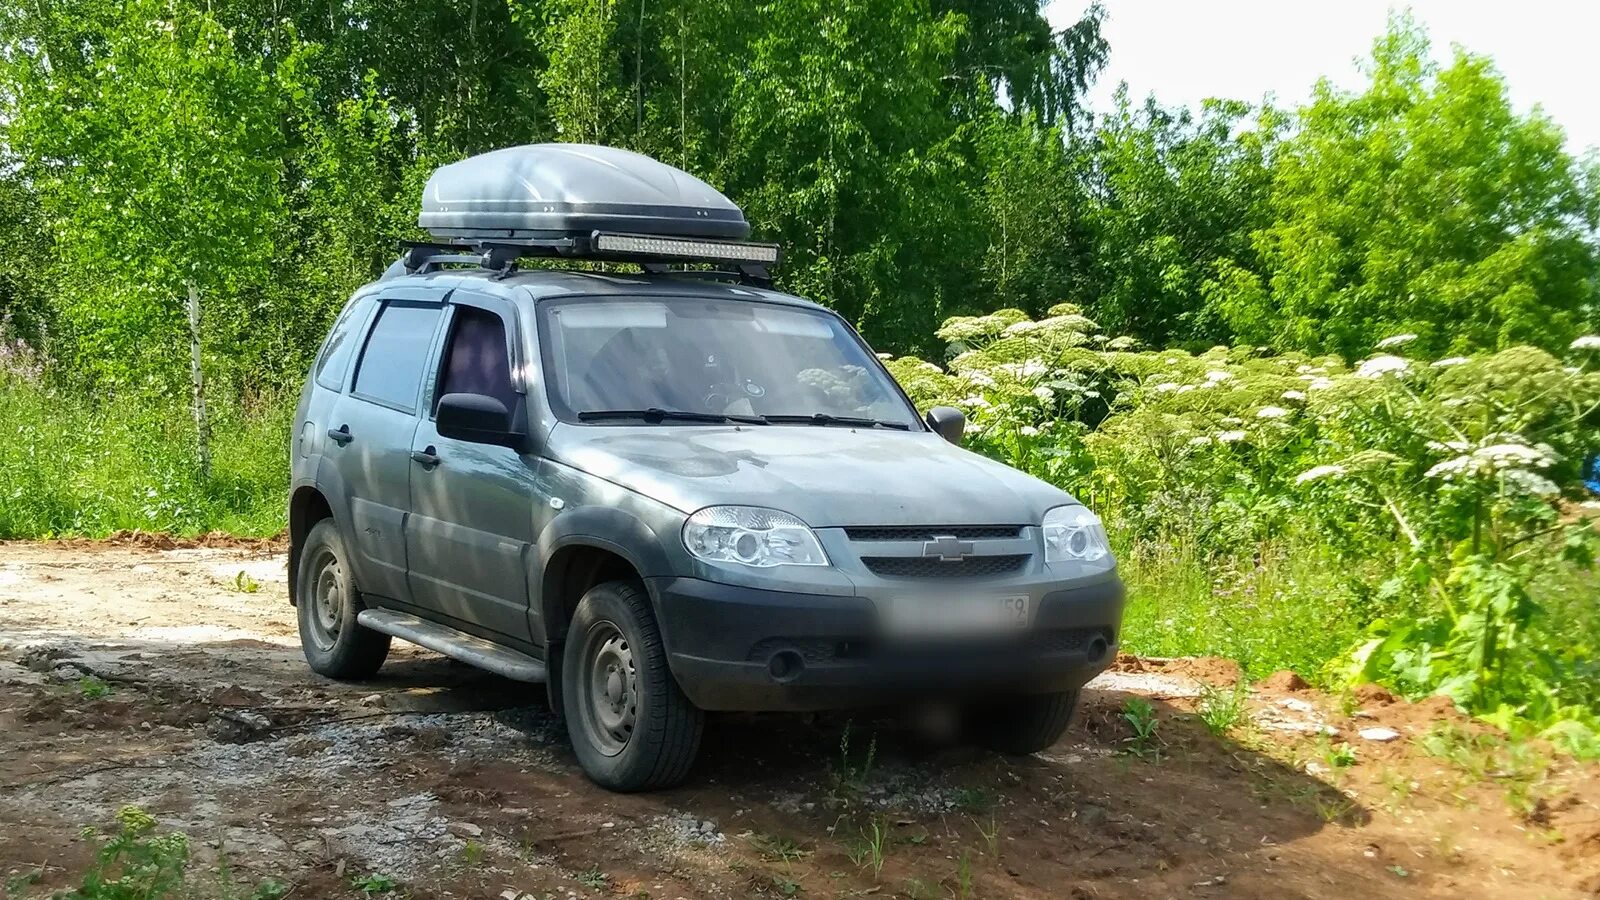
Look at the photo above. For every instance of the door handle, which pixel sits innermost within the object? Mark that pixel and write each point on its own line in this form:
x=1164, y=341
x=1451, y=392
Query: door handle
x=427, y=457
x=340, y=435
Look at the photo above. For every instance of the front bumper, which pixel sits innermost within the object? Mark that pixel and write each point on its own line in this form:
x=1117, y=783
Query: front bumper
x=741, y=648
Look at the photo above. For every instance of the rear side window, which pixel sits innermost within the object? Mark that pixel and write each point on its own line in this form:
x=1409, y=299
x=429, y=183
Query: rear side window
x=476, y=360
x=392, y=363
x=336, y=349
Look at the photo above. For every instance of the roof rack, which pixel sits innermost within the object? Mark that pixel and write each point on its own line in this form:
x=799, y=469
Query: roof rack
x=654, y=254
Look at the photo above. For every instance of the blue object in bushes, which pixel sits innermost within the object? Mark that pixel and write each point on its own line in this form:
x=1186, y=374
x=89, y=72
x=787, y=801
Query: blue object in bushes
x=1593, y=475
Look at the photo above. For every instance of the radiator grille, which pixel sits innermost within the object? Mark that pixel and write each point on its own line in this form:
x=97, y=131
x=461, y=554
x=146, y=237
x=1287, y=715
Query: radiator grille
x=935, y=568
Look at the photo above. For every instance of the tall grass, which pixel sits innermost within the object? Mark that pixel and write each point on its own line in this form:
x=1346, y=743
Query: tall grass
x=1282, y=607
x=73, y=465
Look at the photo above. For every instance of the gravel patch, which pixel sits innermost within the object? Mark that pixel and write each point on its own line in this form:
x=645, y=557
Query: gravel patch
x=201, y=789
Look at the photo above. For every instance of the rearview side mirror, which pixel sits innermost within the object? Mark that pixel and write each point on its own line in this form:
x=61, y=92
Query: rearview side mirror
x=948, y=422
x=477, y=418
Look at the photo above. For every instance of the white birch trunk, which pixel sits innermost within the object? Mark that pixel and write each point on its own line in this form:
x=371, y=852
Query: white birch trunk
x=197, y=383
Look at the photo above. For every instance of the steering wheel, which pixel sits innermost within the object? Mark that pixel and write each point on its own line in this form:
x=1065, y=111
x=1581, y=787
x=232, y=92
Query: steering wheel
x=720, y=383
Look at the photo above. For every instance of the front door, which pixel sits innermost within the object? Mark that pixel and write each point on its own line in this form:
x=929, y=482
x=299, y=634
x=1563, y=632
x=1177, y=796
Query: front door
x=470, y=535
x=369, y=440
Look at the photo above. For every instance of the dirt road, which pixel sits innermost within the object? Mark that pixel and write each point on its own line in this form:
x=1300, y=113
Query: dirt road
x=453, y=783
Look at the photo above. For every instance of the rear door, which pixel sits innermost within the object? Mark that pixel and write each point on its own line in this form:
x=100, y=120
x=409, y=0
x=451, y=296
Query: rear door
x=471, y=528
x=369, y=435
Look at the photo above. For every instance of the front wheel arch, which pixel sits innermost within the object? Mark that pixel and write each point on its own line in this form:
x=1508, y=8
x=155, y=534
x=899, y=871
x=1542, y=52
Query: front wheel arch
x=573, y=569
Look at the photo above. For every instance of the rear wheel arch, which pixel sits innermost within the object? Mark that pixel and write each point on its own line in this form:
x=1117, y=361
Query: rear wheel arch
x=307, y=507
x=334, y=641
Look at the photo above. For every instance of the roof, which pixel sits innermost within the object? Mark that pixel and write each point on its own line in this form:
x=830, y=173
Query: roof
x=539, y=284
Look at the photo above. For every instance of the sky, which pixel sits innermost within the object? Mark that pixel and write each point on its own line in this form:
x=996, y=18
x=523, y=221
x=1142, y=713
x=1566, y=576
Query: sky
x=1184, y=51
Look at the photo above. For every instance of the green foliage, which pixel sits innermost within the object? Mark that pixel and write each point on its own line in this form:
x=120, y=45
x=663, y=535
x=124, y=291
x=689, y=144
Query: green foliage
x=26, y=313
x=82, y=466
x=1141, y=718
x=1519, y=767
x=1222, y=708
x=974, y=799
x=1423, y=204
x=134, y=863
x=1179, y=195
x=963, y=888
x=990, y=832
x=778, y=848
x=866, y=849
x=1396, y=520
x=1285, y=603
x=584, y=96
x=272, y=155
x=92, y=688
x=851, y=777
x=919, y=158
x=1335, y=756
x=835, y=143
x=154, y=146
x=374, y=883
x=269, y=889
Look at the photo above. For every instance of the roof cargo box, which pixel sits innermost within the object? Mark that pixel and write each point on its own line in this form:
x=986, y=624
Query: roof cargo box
x=553, y=190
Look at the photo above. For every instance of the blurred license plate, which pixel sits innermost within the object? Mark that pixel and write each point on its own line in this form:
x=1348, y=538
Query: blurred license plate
x=931, y=614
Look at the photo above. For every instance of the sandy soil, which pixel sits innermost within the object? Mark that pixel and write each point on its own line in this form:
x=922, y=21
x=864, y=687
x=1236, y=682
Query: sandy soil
x=458, y=784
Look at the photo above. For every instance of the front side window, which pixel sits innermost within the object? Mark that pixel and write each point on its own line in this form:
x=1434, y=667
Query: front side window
x=476, y=359
x=605, y=357
x=396, y=354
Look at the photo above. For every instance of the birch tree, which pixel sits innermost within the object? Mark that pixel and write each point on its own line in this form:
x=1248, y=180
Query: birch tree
x=155, y=146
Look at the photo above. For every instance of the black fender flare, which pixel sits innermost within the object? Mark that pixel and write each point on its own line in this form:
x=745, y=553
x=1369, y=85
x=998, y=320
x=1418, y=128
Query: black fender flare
x=605, y=528
x=612, y=530
x=297, y=491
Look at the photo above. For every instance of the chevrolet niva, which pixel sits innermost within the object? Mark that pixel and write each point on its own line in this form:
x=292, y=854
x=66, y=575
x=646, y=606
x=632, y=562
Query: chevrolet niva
x=665, y=491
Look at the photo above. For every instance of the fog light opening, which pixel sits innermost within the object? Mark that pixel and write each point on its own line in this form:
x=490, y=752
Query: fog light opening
x=785, y=665
x=1098, y=649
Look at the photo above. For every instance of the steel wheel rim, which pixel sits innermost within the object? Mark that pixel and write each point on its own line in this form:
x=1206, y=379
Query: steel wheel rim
x=327, y=602
x=610, y=707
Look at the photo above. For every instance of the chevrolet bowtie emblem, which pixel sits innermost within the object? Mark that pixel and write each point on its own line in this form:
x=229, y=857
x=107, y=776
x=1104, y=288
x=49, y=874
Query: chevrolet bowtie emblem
x=947, y=548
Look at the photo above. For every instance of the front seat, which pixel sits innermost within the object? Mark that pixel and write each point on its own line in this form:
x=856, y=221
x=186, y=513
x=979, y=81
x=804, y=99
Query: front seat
x=634, y=369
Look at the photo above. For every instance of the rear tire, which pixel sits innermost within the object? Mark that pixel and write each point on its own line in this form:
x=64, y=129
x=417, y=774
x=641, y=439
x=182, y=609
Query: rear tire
x=335, y=644
x=1024, y=724
x=631, y=726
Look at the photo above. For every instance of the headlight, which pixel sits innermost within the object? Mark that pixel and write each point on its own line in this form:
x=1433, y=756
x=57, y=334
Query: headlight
x=1074, y=533
x=751, y=536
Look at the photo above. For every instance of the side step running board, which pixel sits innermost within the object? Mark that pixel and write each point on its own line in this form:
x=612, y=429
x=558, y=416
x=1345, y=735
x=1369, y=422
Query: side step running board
x=468, y=648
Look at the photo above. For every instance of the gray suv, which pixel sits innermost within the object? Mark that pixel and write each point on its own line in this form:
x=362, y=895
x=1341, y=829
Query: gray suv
x=662, y=493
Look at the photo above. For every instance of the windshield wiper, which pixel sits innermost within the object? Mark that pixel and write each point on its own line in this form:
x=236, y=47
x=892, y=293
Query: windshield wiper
x=656, y=414
x=828, y=419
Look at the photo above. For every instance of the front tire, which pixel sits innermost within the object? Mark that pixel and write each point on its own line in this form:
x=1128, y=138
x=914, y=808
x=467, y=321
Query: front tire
x=1024, y=724
x=631, y=726
x=335, y=644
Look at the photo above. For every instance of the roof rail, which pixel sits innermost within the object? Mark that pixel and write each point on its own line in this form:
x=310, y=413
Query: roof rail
x=652, y=253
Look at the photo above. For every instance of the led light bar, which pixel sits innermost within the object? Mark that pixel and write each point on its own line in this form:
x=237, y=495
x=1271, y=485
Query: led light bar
x=684, y=248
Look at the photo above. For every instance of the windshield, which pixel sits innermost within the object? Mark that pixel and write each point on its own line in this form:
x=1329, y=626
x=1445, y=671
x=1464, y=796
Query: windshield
x=696, y=359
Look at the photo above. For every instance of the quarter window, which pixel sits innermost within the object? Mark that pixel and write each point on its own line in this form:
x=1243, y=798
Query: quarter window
x=392, y=363
x=336, y=350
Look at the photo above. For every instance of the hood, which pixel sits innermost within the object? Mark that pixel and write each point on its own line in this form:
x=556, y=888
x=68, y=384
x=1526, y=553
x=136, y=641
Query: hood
x=827, y=476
